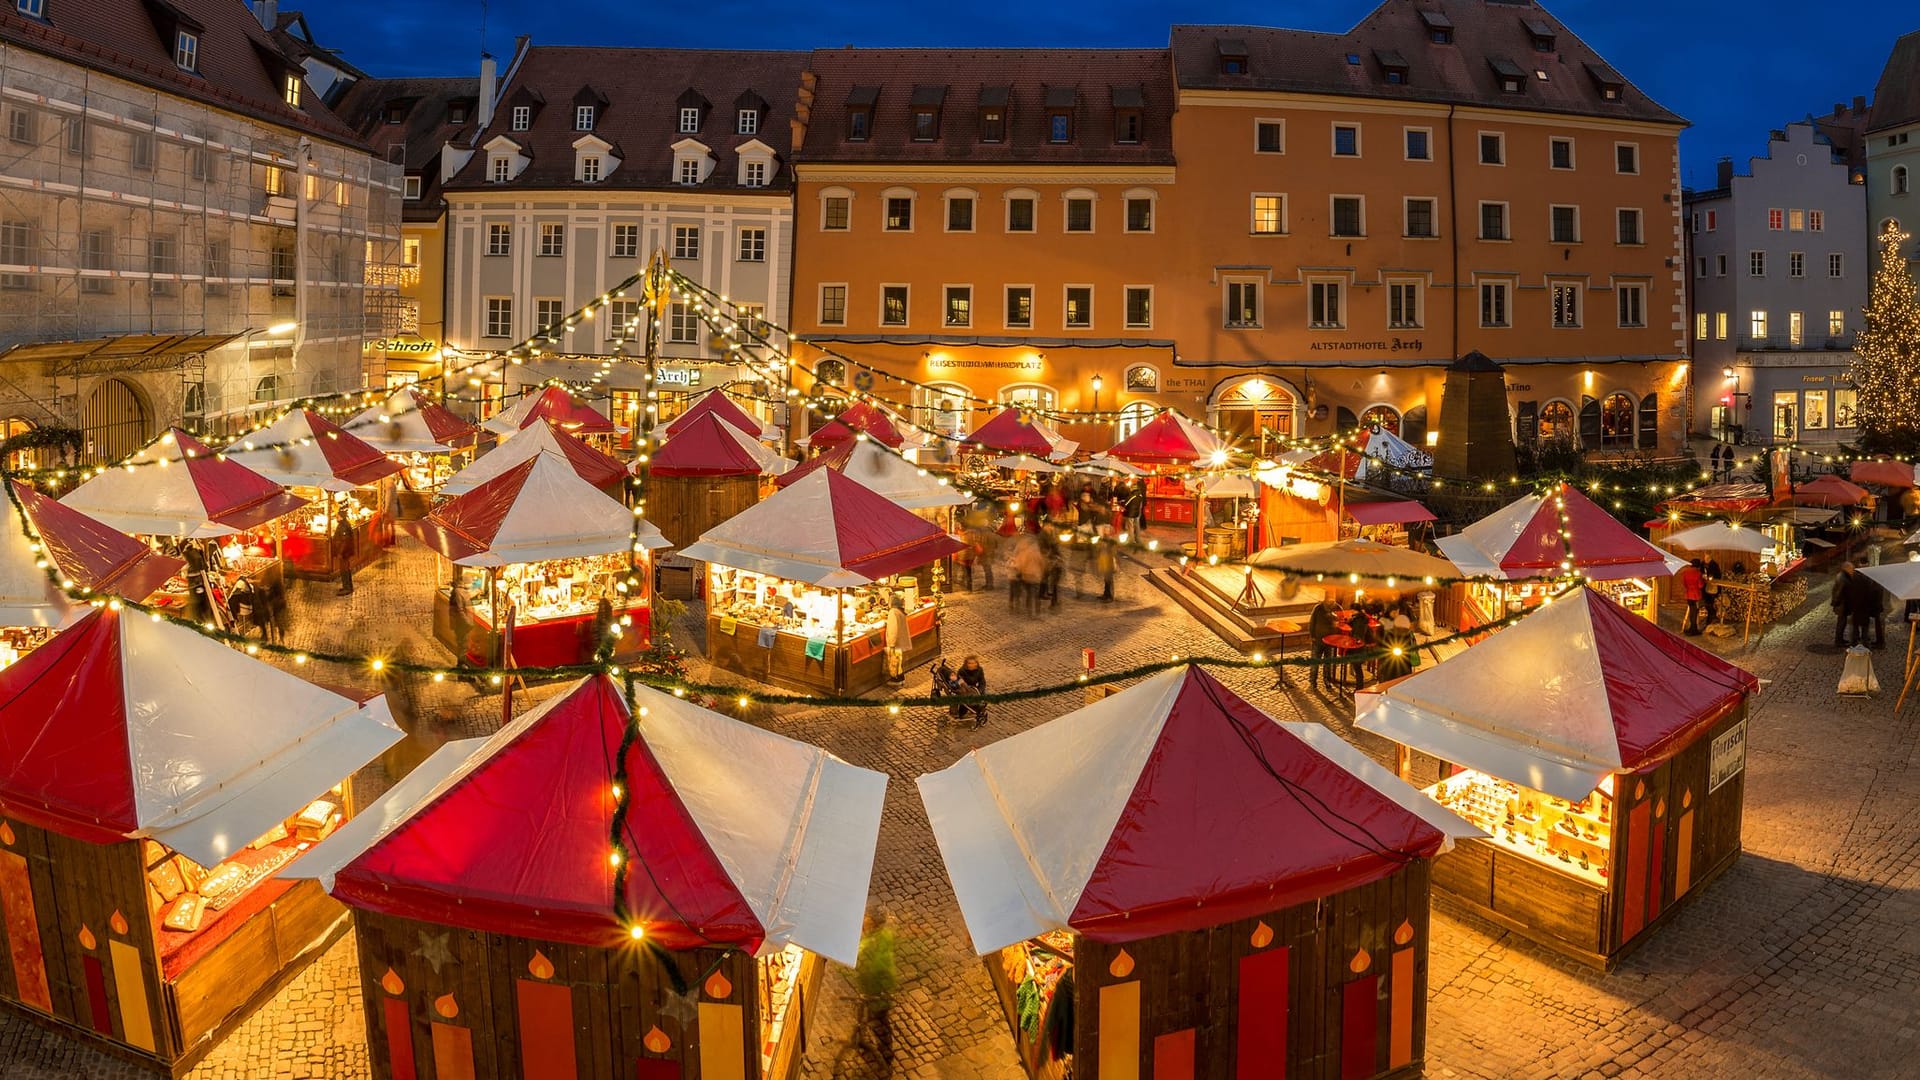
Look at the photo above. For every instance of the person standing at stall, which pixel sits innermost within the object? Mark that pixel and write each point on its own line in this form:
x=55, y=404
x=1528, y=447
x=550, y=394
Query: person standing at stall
x=343, y=550
x=1321, y=625
x=1693, y=584
x=1134, y=512
x=1105, y=563
x=899, y=640
x=1710, y=590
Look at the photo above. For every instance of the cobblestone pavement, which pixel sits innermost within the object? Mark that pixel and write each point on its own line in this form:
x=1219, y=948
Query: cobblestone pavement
x=1802, y=961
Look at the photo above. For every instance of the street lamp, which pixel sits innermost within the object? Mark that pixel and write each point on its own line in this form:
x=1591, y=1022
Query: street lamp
x=1097, y=383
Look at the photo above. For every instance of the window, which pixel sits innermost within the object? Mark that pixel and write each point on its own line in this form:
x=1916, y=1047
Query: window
x=1756, y=264
x=412, y=188
x=1566, y=304
x=1712, y=218
x=1556, y=422
x=959, y=305
x=1269, y=214
x=1139, y=214
x=1269, y=137
x=753, y=319
x=833, y=305
x=1628, y=227
x=553, y=239
x=1059, y=127
x=548, y=315
x=499, y=316
x=1813, y=410
x=77, y=145
x=899, y=216
x=1565, y=225
x=1493, y=221
x=1493, y=303
x=1776, y=219
x=1136, y=415
x=1836, y=263
x=1846, y=408
x=893, y=305
x=753, y=174
x=1079, y=309
x=944, y=408
x=1816, y=220
x=290, y=91
x=1139, y=306
x=686, y=241
x=500, y=169
x=926, y=124
x=282, y=267
x=623, y=320
x=1020, y=215
x=1836, y=323
x=1019, y=306
x=1719, y=266
x=1079, y=214
x=1419, y=144
x=857, y=121
x=1346, y=140
x=583, y=118
x=96, y=253
x=16, y=249
x=522, y=117
x=1616, y=422
x=836, y=213
x=1633, y=304
x=1700, y=267
x=626, y=242
x=1030, y=397
x=1243, y=303
x=1348, y=219
x=1786, y=407
x=456, y=114
x=1126, y=126
x=683, y=325
x=1796, y=220
x=1796, y=264
x=186, y=51
x=753, y=244
x=20, y=126
x=959, y=213
x=747, y=122
x=1796, y=329
x=1403, y=305
x=1326, y=304
x=1493, y=148
x=1700, y=326
x=35, y=8
x=1420, y=217
x=409, y=252
x=993, y=125
x=1757, y=325
x=499, y=238
x=689, y=120
x=1626, y=158
x=1720, y=326
x=1899, y=179
x=1560, y=153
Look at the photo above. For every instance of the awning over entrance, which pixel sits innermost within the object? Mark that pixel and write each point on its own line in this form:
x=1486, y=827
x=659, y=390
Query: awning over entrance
x=115, y=355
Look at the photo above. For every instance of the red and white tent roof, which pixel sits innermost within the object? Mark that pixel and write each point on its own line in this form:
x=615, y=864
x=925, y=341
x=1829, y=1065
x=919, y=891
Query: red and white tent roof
x=124, y=727
x=1375, y=453
x=175, y=486
x=1546, y=535
x=1169, y=439
x=737, y=836
x=538, y=510
x=82, y=551
x=1014, y=431
x=825, y=529
x=601, y=470
x=857, y=417
x=1829, y=489
x=1173, y=805
x=407, y=423
x=1577, y=690
x=885, y=472
x=305, y=449
x=555, y=404
x=710, y=446
x=717, y=403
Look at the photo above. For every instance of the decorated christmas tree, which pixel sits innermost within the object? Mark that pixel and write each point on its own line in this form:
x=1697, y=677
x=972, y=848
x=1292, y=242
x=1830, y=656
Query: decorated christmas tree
x=1886, y=366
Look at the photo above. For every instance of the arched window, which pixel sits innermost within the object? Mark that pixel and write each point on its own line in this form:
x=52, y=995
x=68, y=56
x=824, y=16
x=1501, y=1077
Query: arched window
x=831, y=372
x=1030, y=396
x=1899, y=179
x=1891, y=224
x=1132, y=418
x=1556, y=422
x=193, y=403
x=943, y=407
x=1142, y=379
x=267, y=389
x=1344, y=419
x=1381, y=416
x=1616, y=422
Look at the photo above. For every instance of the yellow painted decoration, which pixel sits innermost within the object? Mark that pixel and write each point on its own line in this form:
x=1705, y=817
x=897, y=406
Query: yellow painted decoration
x=1122, y=965
x=1362, y=960
x=87, y=940
x=1686, y=799
x=6, y=834
x=392, y=984
x=130, y=980
x=718, y=985
x=1120, y=1031
x=446, y=1006
x=1404, y=933
x=1660, y=808
x=723, y=1042
x=540, y=967
x=1262, y=935
x=1639, y=790
x=118, y=922
x=656, y=1040
x=1400, y=1033
x=1683, y=857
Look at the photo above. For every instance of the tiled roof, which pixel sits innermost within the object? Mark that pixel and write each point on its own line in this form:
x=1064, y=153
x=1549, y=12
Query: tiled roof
x=423, y=129
x=1489, y=37
x=1094, y=83
x=1896, y=100
x=642, y=89
x=122, y=38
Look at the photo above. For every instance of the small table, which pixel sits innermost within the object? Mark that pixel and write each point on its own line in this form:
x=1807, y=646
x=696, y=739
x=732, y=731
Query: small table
x=1342, y=644
x=1283, y=627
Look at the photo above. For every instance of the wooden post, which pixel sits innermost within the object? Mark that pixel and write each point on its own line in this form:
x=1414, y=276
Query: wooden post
x=1402, y=760
x=1906, y=682
x=506, y=662
x=839, y=642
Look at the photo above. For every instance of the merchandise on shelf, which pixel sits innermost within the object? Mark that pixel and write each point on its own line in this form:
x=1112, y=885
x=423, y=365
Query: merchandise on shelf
x=558, y=589
x=1575, y=838
x=1634, y=594
x=779, y=981
x=18, y=641
x=311, y=520
x=425, y=472
x=1498, y=599
x=798, y=608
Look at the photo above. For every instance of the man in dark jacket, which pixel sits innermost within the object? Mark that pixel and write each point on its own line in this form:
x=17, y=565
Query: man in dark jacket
x=1320, y=624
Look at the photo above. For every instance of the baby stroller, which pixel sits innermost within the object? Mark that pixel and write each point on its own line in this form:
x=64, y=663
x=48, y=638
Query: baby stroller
x=947, y=684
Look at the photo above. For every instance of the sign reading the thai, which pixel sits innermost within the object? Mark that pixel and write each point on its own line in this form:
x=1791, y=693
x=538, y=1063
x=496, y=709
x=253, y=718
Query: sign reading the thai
x=1727, y=756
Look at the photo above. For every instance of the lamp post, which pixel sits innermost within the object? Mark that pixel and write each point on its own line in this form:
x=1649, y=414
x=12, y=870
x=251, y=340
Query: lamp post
x=1097, y=383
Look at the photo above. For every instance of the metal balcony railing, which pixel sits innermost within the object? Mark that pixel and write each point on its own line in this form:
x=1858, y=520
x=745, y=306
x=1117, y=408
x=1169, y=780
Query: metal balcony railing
x=1784, y=342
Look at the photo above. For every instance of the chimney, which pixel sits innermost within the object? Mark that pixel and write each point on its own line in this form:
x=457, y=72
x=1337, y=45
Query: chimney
x=1839, y=109
x=268, y=11
x=489, y=75
x=1859, y=103
x=1723, y=172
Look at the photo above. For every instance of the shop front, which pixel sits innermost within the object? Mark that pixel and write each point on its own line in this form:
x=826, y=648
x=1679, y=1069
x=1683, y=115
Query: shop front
x=348, y=484
x=1789, y=396
x=424, y=437
x=1170, y=445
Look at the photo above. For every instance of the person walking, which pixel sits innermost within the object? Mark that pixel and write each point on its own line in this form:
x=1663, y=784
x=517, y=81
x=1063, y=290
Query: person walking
x=1862, y=605
x=1693, y=584
x=343, y=550
x=1106, y=561
x=1321, y=625
x=1134, y=510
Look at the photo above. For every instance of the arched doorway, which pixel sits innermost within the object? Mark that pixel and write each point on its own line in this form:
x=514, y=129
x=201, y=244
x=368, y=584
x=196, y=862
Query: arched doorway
x=18, y=425
x=1381, y=416
x=1255, y=407
x=116, y=420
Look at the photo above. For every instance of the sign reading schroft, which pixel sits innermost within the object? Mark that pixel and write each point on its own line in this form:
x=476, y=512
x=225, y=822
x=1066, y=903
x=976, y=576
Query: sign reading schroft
x=404, y=346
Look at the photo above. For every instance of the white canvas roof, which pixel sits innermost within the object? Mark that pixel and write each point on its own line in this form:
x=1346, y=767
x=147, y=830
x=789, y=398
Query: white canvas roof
x=534, y=440
x=27, y=596
x=290, y=454
x=1902, y=579
x=771, y=463
x=154, y=494
x=899, y=480
x=395, y=426
x=557, y=515
x=795, y=534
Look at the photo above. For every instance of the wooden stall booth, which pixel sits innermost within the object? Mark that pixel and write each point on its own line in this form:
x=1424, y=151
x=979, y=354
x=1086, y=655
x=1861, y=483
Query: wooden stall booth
x=483, y=890
x=560, y=408
x=1170, y=883
x=423, y=436
x=597, y=467
x=1603, y=755
x=535, y=552
x=705, y=473
x=801, y=589
x=1170, y=445
x=344, y=479
x=1530, y=541
x=154, y=781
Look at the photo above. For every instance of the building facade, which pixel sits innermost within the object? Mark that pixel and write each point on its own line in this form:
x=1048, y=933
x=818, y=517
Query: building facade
x=593, y=160
x=185, y=230
x=1893, y=143
x=1779, y=263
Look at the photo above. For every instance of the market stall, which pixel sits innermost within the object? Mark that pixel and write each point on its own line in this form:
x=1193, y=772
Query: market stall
x=425, y=437
x=800, y=587
x=598, y=468
x=151, y=782
x=1539, y=537
x=1902, y=582
x=1373, y=456
x=860, y=418
x=1226, y=510
x=717, y=403
x=707, y=471
x=534, y=553
x=1169, y=883
x=490, y=947
x=1169, y=445
x=555, y=405
x=1603, y=755
x=1016, y=431
x=889, y=475
x=342, y=478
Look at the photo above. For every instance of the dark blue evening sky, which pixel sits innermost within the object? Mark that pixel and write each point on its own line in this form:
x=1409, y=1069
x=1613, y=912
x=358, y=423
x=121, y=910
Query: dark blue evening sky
x=1735, y=68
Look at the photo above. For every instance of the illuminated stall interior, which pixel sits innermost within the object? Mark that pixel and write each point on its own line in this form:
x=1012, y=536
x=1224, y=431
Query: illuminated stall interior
x=342, y=477
x=426, y=438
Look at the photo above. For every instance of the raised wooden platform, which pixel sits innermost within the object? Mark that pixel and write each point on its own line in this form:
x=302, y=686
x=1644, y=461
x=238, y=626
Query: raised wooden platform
x=1212, y=594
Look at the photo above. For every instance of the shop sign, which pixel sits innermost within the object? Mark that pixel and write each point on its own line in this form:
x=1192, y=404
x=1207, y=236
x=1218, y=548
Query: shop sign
x=1390, y=345
x=1519, y=387
x=1727, y=757
x=954, y=363
x=674, y=376
x=404, y=346
x=1813, y=378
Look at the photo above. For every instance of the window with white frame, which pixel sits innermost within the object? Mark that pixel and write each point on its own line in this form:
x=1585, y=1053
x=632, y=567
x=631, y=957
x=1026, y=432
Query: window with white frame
x=1493, y=303
x=1836, y=323
x=1626, y=158
x=1493, y=148
x=1031, y=396
x=583, y=118
x=1700, y=326
x=1757, y=325
x=944, y=407
x=752, y=319
x=186, y=51
x=1836, y=264
x=290, y=90
x=1796, y=264
x=1133, y=417
x=1756, y=264
x=1421, y=217
x=686, y=241
x=1720, y=265
x=1419, y=144
x=1019, y=307
x=522, y=117
x=1720, y=326
x=960, y=211
x=958, y=306
x=499, y=317
x=1242, y=303
x=1900, y=181
x=553, y=239
x=1403, y=305
x=1079, y=213
x=836, y=213
x=1346, y=140
x=1628, y=226
x=687, y=170
x=1560, y=153
x=1776, y=219
x=1796, y=328
x=1269, y=136
x=500, y=168
x=748, y=122
x=1139, y=306
x=895, y=305
x=1349, y=216
x=1139, y=213
x=897, y=213
x=1565, y=298
x=753, y=244
x=590, y=168
x=833, y=305
x=1493, y=221
x=1269, y=215
x=16, y=249
x=33, y=8
x=1079, y=307
x=753, y=173
x=499, y=238
x=623, y=320
x=683, y=324
x=1633, y=304
x=412, y=190
x=1796, y=220
x=689, y=121
x=1020, y=213
x=1564, y=224
x=1326, y=304
x=1816, y=220
x=548, y=314
x=626, y=242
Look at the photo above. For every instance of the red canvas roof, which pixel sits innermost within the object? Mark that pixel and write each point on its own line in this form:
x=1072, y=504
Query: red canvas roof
x=1525, y=539
x=716, y=403
x=703, y=448
x=1893, y=474
x=1388, y=512
x=465, y=525
x=555, y=404
x=1163, y=440
x=826, y=529
x=858, y=417
x=233, y=494
x=518, y=843
x=350, y=457
x=92, y=555
x=835, y=458
x=1662, y=687
x=593, y=465
x=1011, y=431
x=1829, y=490
x=79, y=782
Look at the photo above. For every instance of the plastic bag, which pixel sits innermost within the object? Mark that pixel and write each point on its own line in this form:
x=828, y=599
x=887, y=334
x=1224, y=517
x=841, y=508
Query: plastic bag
x=1856, y=676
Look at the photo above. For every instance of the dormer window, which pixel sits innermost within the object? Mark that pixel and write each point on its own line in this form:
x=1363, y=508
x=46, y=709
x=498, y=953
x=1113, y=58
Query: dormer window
x=32, y=8
x=1060, y=103
x=583, y=118
x=688, y=172
x=522, y=117
x=186, y=50
x=692, y=162
x=756, y=163
x=292, y=91
x=1607, y=81
x=456, y=114
x=1542, y=34
x=396, y=112
x=412, y=190
x=993, y=113
x=926, y=104
x=1439, y=27
x=749, y=122
x=1233, y=56
x=1393, y=66
x=590, y=168
x=1512, y=79
x=500, y=169
x=860, y=103
x=1129, y=102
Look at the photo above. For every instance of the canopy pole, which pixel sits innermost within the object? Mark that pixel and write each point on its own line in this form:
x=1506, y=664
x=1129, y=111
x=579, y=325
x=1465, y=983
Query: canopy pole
x=839, y=639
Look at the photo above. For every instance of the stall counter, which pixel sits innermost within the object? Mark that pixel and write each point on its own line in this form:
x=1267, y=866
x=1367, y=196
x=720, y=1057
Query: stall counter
x=783, y=659
x=544, y=643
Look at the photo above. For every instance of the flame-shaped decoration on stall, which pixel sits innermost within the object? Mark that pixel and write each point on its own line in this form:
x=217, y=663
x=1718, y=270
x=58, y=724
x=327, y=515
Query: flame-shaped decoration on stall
x=392, y=983
x=446, y=1006
x=6, y=834
x=1660, y=808
x=1403, y=933
x=1262, y=935
x=1686, y=801
x=718, y=985
x=1639, y=790
x=118, y=923
x=656, y=1040
x=540, y=967
x=1122, y=965
x=87, y=940
x=1361, y=961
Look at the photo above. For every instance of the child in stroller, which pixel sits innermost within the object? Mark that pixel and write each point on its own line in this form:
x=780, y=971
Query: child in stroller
x=970, y=680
